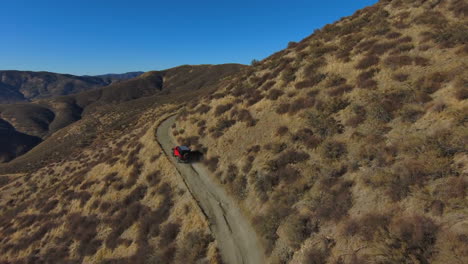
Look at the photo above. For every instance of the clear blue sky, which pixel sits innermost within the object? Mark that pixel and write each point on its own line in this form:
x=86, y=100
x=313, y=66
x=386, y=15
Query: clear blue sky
x=103, y=36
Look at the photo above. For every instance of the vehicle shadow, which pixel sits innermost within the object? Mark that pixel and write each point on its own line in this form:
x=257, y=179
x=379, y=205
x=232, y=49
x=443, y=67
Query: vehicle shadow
x=195, y=156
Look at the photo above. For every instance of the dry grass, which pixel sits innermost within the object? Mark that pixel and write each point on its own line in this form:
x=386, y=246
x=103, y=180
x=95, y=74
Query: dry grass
x=65, y=218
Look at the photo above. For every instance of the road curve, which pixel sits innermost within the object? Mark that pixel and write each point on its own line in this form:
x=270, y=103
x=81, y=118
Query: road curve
x=237, y=241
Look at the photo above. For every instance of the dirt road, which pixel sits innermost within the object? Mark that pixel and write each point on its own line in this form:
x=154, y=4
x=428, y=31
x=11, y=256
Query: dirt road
x=237, y=241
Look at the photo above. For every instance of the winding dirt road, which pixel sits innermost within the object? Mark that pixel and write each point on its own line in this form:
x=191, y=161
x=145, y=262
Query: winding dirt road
x=237, y=241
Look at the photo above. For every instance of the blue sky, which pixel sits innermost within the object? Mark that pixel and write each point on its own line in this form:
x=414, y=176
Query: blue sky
x=103, y=36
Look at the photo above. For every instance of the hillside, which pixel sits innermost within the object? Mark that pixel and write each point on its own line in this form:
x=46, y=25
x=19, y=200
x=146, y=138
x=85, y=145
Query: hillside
x=24, y=86
x=350, y=146
x=100, y=190
x=115, y=77
x=44, y=117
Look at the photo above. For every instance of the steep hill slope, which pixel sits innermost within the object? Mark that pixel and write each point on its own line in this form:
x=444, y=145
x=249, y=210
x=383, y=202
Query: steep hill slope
x=351, y=145
x=101, y=190
x=44, y=117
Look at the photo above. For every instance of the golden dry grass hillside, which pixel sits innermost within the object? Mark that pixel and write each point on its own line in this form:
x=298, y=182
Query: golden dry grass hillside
x=100, y=190
x=118, y=201
x=351, y=145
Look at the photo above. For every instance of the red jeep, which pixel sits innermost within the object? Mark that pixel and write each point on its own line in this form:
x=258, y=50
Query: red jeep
x=182, y=153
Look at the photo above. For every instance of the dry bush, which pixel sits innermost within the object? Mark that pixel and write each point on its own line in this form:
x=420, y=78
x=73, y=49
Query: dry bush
x=221, y=126
x=414, y=172
x=276, y=147
x=421, y=61
x=274, y=94
x=417, y=235
x=315, y=256
x=231, y=173
x=400, y=77
x=402, y=48
x=323, y=125
x=335, y=201
x=288, y=157
x=220, y=109
x=381, y=48
x=459, y=8
x=169, y=232
x=248, y=164
x=367, y=62
x=306, y=137
x=331, y=106
x=395, y=62
x=193, y=248
x=313, y=65
x=383, y=110
x=203, y=109
x=365, y=45
x=136, y=195
x=364, y=79
x=238, y=187
x=283, y=108
x=461, y=89
x=254, y=149
x=244, y=115
x=335, y=80
x=49, y=206
x=211, y=163
x=359, y=116
x=310, y=81
x=267, y=86
x=393, y=35
x=340, y=90
x=268, y=222
x=84, y=229
x=432, y=82
x=451, y=35
x=366, y=226
x=301, y=103
x=288, y=75
x=282, y=130
x=333, y=149
x=432, y=18
x=411, y=113
x=298, y=228
x=254, y=97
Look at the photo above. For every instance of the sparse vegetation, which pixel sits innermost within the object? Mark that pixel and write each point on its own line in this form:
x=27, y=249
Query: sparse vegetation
x=348, y=147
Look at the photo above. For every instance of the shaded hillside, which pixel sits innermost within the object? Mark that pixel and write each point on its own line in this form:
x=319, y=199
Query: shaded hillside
x=45, y=117
x=23, y=86
x=115, y=77
x=14, y=143
x=351, y=145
